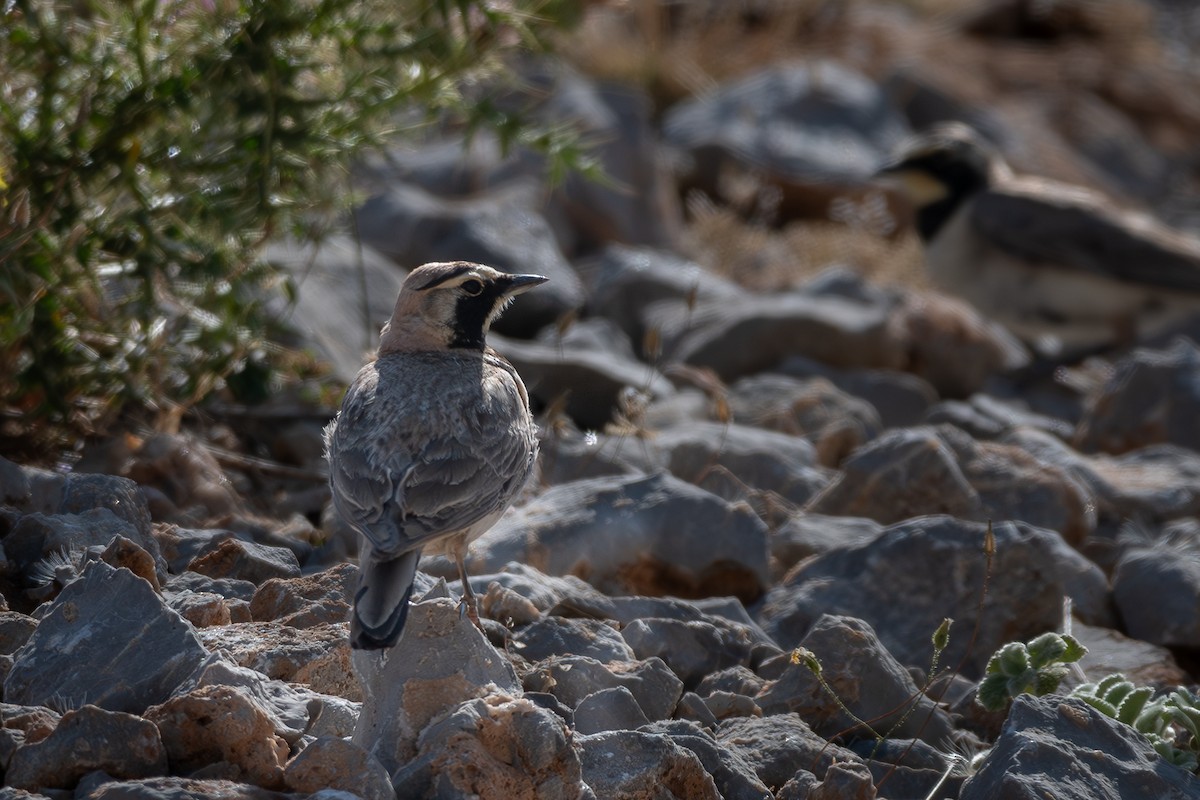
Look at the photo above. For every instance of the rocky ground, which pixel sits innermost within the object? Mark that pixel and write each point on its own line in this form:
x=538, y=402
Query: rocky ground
x=763, y=436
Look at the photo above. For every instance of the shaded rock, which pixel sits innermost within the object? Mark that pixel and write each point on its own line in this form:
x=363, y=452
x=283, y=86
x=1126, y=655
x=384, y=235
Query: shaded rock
x=507, y=606
x=122, y=552
x=835, y=422
x=494, y=746
x=333, y=763
x=15, y=630
x=779, y=746
x=247, y=561
x=1142, y=663
x=731, y=704
x=1157, y=592
x=902, y=474
x=900, y=398
x=573, y=678
x=738, y=461
x=737, y=679
x=318, y=656
x=915, y=574
x=985, y=417
x=137, y=650
x=639, y=534
x=865, y=677
x=229, y=588
x=556, y=636
x=202, y=609
x=692, y=649
x=590, y=379
x=39, y=536
x=643, y=766
x=446, y=661
x=180, y=545
x=174, y=788
x=222, y=725
x=692, y=708
x=304, y=602
x=187, y=475
x=122, y=496
x=497, y=228
x=1054, y=741
x=287, y=707
x=739, y=338
x=88, y=739
x=567, y=455
x=734, y=778
x=610, y=709
x=807, y=534
x=544, y=591
x=623, y=282
x=345, y=291
x=812, y=123
x=1152, y=397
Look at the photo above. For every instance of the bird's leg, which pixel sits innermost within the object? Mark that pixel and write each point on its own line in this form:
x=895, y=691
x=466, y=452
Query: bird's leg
x=469, y=603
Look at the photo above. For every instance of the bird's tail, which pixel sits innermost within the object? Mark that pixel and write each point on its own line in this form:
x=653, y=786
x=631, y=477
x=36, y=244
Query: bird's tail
x=381, y=601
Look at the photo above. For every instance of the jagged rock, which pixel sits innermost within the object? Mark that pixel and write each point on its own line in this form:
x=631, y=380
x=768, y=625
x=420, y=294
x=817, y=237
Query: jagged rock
x=202, y=609
x=307, y=601
x=135, y=658
x=1142, y=663
x=865, y=677
x=247, y=561
x=739, y=679
x=915, y=574
x=188, y=476
x=88, y=739
x=318, y=656
x=573, y=678
x=639, y=534
x=900, y=398
x=556, y=636
x=285, y=705
x=777, y=747
x=734, y=778
x=610, y=709
x=985, y=417
x=39, y=536
x=1054, y=741
x=1155, y=588
x=692, y=649
x=333, y=763
x=174, y=788
x=15, y=630
x=441, y=660
x=643, y=766
x=807, y=534
x=497, y=745
x=1151, y=397
x=229, y=588
x=217, y=723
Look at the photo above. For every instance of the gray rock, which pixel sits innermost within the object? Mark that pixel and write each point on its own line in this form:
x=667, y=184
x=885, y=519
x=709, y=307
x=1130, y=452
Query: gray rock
x=902, y=474
x=986, y=417
x=176, y=788
x=737, y=679
x=229, y=588
x=566, y=455
x=303, y=602
x=318, y=656
x=494, y=746
x=610, y=709
x=810, y=122
x=544, y=591
x=573, y=678
x=692, y=649
x=624, y=282
x=915, y=574
x=344, y=292
x=499, y=229
x=1155, y=589
x=1152, y=397
x=202, y=609
x=735, y=338
x=734, y=778
x=442, y=660
x=777, y=747
x=807, y=534
x=591, y=379
x=180, y=545
x=866, y=678
x=286, y=706
x=556, y=636
x=900, y=398
x=40, y=536
x=15, y=630
x=634, y=764
x=333, y=763
x=248, y=561
x=89, y=739
x=631, y=535
x=1053, y=741
x=137, y=650
x=1110, y=651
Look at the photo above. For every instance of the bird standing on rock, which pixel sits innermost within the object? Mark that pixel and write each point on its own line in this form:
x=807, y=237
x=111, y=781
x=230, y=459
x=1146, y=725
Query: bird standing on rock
x=1055, y=263
x=434, y=439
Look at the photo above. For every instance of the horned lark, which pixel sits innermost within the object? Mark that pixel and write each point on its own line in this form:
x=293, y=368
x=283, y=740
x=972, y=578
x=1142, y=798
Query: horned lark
x=1058, y=265
x=433, y=441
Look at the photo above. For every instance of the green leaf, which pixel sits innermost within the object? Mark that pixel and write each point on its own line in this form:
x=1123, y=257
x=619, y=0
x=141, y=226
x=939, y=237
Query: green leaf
x=1046, y=648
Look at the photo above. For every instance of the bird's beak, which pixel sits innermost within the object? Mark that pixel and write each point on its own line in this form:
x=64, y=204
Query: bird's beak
x=519, y=284
x=916, y=185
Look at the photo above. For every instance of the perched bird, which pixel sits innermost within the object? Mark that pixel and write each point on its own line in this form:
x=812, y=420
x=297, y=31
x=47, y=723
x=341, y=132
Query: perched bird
x=433, y=441
x=1056, y=263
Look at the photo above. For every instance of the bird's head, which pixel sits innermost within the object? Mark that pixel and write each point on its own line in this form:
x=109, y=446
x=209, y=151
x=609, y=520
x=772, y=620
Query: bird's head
x=450, y=305
x=939, y=170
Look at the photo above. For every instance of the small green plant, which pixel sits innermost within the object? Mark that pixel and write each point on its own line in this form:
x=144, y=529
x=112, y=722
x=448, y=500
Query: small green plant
x=1171, y=721
x=1036, y=668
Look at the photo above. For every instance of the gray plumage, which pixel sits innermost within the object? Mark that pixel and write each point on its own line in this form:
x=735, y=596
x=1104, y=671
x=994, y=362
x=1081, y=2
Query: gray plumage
x=434, y=439
x=1056, y=263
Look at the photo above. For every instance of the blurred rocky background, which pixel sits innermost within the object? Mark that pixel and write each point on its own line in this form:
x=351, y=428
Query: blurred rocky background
x=763, y=427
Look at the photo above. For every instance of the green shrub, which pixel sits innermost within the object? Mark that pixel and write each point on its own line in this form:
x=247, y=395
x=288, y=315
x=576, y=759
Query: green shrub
x=148, y=148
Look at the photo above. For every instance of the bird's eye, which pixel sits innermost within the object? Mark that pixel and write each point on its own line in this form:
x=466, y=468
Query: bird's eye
x=472, y=287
